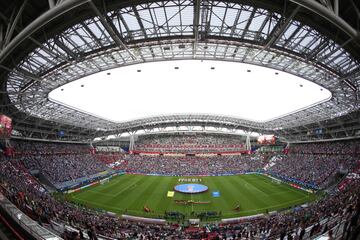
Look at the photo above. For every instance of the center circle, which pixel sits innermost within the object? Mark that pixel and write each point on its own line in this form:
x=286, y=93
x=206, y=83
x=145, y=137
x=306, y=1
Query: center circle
x=191, y=188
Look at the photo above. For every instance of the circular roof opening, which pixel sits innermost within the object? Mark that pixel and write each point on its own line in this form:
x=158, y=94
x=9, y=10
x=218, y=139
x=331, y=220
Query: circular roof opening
x=190, y=87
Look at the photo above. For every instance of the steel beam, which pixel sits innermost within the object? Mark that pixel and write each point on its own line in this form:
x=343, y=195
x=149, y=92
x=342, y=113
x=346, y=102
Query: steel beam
x=356, y=9
x=39, y=22
x=326, y=13
x=196, y=24
x=336, y=7
x=14, y=23
x=282, y=29
x=111, y=30
x=139, y=21
x=51, y=3
x=1, y=36
x=87, y=29
x=35, y=41
x=66, y=49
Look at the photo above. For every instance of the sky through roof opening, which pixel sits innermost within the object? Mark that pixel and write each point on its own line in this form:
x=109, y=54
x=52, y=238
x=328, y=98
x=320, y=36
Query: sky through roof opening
x=190, y=87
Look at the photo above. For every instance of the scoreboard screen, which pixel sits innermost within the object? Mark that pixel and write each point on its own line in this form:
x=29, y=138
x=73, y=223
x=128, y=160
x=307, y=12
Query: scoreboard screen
x=266, y=139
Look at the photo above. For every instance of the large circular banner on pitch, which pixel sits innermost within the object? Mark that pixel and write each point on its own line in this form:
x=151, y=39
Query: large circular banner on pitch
x=191, y=188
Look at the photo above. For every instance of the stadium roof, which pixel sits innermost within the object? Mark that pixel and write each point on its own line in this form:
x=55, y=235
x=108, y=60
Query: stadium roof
x=46, y=44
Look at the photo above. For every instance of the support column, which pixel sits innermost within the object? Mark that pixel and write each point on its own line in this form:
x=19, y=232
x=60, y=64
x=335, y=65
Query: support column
x=132, y=143
x=286, y=150
x=8, y=149
x=92, y=149
x=7, y=143
x=248, y=143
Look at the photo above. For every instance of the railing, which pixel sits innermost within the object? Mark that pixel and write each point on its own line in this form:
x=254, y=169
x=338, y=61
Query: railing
x=26, y=223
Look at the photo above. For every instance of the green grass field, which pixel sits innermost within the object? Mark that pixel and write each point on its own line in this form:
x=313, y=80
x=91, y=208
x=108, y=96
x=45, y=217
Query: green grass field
x=130, y=193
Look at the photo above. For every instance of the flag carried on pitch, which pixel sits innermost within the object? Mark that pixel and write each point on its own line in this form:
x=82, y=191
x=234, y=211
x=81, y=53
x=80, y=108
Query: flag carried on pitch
x=170, y=194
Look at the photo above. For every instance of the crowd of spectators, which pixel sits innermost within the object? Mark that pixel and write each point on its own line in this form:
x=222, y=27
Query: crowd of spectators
x=23, y=147
x=313, y=163
x=61, y=168
x=349, y=147
x=58, y=162
x=189, y=143
x=189, y=139
x=315, y=169
x=27, y=194
x=317, y=163
x=193, y=165
x=115, y=161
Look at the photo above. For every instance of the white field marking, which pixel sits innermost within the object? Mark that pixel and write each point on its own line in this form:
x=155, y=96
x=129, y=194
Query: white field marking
x=291, y=188
x=126, y=188
x=276, y=193
x=106, y=194
x=116, y=194
x=111, y=207
x=251, y=187
x=276, y=205
x=138, y=211
x=110, y=183
x=96, y=203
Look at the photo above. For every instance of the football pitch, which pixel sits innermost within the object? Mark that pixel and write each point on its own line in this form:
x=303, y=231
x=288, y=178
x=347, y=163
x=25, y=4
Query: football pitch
x=239, y=195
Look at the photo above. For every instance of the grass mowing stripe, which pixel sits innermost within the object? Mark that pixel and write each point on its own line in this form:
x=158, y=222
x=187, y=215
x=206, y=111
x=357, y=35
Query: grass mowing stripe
x=254, y=187
x=248, y=195
x=94, y=204
x=216, y=203
x=265, y=183
x=125, y=196
x=132, y=185
x=228, y=202
x=277, y=206
x=100, y=193
x=92, y=195
x=145, y=194
x=168, y=184
x=255, y=194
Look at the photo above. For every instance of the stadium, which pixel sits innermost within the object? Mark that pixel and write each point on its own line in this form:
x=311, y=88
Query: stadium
x=180, y=119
